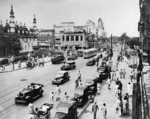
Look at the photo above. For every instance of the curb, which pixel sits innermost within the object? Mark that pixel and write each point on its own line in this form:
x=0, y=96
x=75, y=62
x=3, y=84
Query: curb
x=19, y=69
x=84, y=109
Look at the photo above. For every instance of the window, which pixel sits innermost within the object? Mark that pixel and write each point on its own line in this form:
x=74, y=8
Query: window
x=67, y=38
x=72, y=38
x=77, y=38
x=63, y=38
x=81, y=38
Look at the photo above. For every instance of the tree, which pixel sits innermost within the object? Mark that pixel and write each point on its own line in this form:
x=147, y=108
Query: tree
x=10, y=45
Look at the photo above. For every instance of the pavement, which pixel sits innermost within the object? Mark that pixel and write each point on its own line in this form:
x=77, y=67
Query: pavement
x=8, y=68
x=108, y=97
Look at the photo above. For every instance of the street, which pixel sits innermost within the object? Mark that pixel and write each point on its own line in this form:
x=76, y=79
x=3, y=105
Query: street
x=13, y=82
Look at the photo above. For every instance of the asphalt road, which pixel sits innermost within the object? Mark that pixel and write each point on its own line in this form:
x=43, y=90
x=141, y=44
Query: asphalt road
x=13, y=82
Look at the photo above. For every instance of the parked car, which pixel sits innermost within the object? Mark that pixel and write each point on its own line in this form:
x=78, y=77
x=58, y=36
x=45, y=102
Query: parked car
x=29, y=94
x=91, y=62
x=57, y=59
x=66, y=110
x=68, y=66
x=92, y=86
x=81, y=95
x=61, y=77
x=44, y=111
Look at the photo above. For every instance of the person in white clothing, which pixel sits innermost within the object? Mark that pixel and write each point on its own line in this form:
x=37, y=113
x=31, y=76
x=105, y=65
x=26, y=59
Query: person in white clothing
x=51, y=97
x=129, y=89
x=58, y=92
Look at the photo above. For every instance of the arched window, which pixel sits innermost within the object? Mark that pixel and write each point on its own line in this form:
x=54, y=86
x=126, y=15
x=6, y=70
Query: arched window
x=77, y=38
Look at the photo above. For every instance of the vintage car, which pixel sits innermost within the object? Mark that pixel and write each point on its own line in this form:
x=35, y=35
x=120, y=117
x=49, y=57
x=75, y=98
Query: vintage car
x=81, y=95
x=91, y=62
x=68, y=66
x=73, y=57
x=29, y=94
x=66, y=110
x=92, y=86
x=44, y=111
x=61, y=77
x=57, y=59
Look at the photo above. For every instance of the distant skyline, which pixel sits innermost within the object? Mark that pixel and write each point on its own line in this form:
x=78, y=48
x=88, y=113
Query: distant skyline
x=119, y=16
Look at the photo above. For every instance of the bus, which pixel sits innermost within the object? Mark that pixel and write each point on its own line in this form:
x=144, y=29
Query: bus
x=89, y=53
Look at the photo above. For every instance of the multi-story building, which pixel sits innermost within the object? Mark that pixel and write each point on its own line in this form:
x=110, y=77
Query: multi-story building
x=27, y=37
x=144, y=27
x=46, y=39
x=69, y=35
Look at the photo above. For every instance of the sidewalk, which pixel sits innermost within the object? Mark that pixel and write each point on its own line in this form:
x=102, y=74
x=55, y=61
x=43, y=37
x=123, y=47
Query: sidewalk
x=8, y=68
x=108, y=97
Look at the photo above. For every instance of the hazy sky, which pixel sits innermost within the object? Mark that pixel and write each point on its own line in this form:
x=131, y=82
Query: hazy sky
x=119, y=16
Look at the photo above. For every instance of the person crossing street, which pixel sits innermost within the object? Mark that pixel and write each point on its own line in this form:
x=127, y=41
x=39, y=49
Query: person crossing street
x=95, y=108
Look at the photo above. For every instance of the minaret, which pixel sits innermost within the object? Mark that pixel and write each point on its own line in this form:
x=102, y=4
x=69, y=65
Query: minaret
x=34, y=23
x=12, y=20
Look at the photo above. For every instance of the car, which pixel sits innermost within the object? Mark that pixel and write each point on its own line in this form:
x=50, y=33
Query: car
x=73, y=57
x=68, y=66
x=61, y=77
x=44, y=111
x=57, y=59
x=81, y=95
x=66, y=110
x=29, y=94
x=92, y=86
x=91, y=62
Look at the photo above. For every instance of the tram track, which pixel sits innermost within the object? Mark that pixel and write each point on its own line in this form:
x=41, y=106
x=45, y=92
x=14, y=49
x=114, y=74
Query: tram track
x=80, y=65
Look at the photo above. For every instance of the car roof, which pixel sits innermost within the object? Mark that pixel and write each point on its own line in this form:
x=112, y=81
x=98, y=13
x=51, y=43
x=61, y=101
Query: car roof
x=81, y=88
x=66, y=104
x=62, y=72
x=70, y=62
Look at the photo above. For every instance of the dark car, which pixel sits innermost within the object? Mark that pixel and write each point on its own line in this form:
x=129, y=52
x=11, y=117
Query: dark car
x=61, y=77
x=92, y=86
x=91, y=62
x=81, y=95
x=29, y=94
x=57, y=59
x=68, y=66
x=66, y=110
x=73, y=57
x=44, y=111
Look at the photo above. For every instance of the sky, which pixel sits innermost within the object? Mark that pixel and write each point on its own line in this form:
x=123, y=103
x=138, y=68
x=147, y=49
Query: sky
x=118, y=16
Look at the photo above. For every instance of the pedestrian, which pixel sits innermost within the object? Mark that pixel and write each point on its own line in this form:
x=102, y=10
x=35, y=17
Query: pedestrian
x=121, y=74
x=79, y=75
x=31, y=111
x=80, y=83
x=98, y=88
x=120, y=108
x=3, y=67
x=51, y=97
x=104, y=111
x=76, y=83
x=65, y=97
x=112, y=75
x=95, y=108
x=131, y=75
x=124, y=74
x=58, y=92
x=129, y=89
x=109, y=82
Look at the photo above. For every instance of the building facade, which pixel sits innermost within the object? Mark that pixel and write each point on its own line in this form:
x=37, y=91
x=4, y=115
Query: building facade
x=46, y=39
x=144, y=26
x=27, y=37
x=69, y=35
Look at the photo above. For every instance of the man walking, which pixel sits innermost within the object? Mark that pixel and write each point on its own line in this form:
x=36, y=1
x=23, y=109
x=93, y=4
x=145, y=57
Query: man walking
x=94, y=109
x=104, y=111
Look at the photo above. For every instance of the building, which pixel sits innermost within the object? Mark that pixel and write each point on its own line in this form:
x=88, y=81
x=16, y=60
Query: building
x=46, y=39
x=68, y=35
x=27, y=37
x=144, y=27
